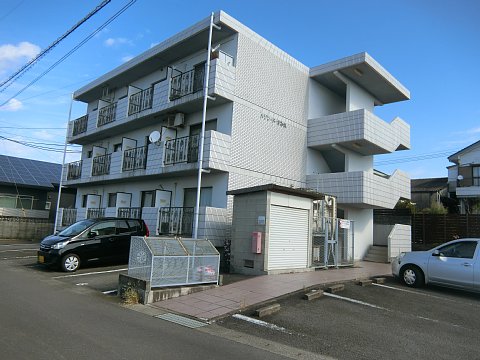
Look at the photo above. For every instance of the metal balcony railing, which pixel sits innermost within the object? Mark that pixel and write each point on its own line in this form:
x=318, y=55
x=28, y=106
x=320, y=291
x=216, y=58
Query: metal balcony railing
x=130, y=212
x=187, y=83
x=107, y=114
x=74, y=170
x=94, y=213
x=101, y=165
x=69, y=216
x=134, y=159
x=140, y=101
x=184, y=149
x=80, y=125
x=175, y=221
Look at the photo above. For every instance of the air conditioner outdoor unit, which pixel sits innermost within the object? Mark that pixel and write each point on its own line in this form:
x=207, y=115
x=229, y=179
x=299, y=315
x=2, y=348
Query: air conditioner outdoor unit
x=179, y=119
x=171, y=120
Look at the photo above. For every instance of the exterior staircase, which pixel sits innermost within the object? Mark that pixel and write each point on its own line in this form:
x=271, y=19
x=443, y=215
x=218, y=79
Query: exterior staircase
x=378, y=254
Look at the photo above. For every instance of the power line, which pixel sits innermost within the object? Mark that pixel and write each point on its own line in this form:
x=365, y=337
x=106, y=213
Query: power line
x=6, y=83
x=72, y=51
x=11, y=10
x=41, y=146
x=420, y=157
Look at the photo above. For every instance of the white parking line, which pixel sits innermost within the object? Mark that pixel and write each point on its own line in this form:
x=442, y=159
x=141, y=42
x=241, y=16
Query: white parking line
x=90, y=273
x=424, y=294
x=17, y=250
x=356, y=301
x=19, y=257
x=109, y=292
x=261, y=323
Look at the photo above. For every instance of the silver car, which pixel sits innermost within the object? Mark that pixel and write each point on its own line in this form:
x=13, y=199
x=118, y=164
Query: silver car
x=453, y=264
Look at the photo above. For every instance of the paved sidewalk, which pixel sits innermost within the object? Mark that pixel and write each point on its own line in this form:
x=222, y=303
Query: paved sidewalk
x=221, y=301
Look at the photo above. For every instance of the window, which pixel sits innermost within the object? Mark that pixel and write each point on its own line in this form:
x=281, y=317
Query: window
x=122, y=227
x=89, y=154
x=190, y=197
x=148, y=198
x=112, y=199
x=84, y=201
x=476, y=175
x=48, y=204
x=104, y=228
x=117, y=147
x=209, y=125
x=463, y=249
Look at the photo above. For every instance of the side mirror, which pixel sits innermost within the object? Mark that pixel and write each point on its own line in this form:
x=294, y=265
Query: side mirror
x=92, y=234
x=436, y=253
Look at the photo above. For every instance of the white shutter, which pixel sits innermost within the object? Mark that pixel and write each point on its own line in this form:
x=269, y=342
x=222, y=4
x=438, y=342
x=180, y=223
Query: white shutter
x=288, y=239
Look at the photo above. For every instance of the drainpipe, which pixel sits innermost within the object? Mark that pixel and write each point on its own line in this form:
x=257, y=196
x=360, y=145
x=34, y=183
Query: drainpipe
x=63, y=166
x=202, y=133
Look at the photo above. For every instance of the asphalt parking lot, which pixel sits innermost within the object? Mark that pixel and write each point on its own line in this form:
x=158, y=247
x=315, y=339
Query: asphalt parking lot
x=386, y=321
x=102, y=277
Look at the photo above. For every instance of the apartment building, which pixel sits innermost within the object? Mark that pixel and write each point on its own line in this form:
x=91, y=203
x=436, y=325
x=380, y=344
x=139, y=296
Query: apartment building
x=464, y=178
x=270, y=120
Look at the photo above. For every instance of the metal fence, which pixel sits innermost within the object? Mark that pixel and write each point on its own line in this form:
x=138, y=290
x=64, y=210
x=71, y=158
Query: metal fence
x=173, y=261
x=101, y=165
x=107, y=114
x=333, y=242
x=180, y=150
x=135, y=158
x=80, y=125
x=175, y=221
x=130, y=212
x=140, y=101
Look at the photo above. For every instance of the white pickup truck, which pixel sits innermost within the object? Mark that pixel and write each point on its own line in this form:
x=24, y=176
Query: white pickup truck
x=454, y=264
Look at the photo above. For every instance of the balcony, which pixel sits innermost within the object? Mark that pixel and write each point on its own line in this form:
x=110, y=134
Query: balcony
x=134, y=159
x=130, y=212
x=95, y=213
x=80, y=125
x=360, y=131
x=74, y=170
x=178, y=92
x=101, y=165
x=181, y=150
x=140, y=101
x=177, y=221
x=107, y=114
x=187, y=83
x=363, y=189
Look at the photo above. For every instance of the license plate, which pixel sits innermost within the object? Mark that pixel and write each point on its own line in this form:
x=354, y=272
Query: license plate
x=41, y=259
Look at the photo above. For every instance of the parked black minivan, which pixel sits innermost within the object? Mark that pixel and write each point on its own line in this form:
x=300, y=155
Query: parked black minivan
x=88, y=240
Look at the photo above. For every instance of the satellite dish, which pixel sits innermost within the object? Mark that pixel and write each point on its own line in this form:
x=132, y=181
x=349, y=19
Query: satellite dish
x=154, y=137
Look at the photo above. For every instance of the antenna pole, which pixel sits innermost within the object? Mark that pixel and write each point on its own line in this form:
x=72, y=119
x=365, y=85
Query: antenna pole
x=63, y=167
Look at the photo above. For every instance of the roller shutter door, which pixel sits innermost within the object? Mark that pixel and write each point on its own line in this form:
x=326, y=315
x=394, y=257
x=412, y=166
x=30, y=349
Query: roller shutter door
x=288, y=240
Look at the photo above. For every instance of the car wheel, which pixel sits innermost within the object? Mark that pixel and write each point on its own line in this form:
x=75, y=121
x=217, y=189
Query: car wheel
x=412, y=276
x=70, y=263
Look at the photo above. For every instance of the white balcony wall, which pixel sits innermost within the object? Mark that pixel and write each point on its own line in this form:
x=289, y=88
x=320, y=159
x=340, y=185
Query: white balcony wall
x=361, y=130
x=212, y=224
x=363, y=230
x=358, y=98
x=363, y=189
x=316, y=163
x=468, y=191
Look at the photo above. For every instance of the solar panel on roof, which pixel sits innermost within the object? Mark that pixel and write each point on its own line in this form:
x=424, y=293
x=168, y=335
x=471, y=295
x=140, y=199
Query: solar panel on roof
x=29, y=172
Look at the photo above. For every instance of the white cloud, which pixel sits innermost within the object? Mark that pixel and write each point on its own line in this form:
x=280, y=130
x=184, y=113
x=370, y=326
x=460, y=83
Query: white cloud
x=110, y=42
x=127, y=58
x=12, y=105
x=12, y=55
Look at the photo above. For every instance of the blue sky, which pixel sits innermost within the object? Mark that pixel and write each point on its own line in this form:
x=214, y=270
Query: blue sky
x=432, y=47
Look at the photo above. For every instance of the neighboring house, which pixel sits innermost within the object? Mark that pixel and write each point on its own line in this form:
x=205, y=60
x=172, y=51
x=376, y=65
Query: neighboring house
x=428, y=191
x=464, y=178
x=273, y=120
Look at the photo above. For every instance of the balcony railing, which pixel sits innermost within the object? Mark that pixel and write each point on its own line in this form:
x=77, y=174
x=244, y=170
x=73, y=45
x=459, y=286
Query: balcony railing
x=94, y=213
x=101, y=165
x=74, y=170
x=184, y=149
x=175, y=221
x=134, y=159
x=130, y=212
x=187, y=83
x=140, y=101
x=107, y=114
x=80, y=125
x=69, y=216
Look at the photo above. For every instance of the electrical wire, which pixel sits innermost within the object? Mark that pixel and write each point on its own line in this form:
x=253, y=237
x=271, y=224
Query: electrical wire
x=17, y=74
x=11, y=10
x=117, y=14
x=41, y=146
x=420, y=157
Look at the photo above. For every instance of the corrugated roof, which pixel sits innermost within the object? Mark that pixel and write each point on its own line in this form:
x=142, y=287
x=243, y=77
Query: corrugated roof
x=279, y=189
x=430, y=184
x=27, y=172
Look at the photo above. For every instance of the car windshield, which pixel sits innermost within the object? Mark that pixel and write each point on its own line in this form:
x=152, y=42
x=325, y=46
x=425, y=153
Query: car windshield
x=76, y=228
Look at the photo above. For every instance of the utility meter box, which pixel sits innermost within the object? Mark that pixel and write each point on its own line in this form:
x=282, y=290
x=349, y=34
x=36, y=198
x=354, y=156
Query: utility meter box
x=257, y=242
